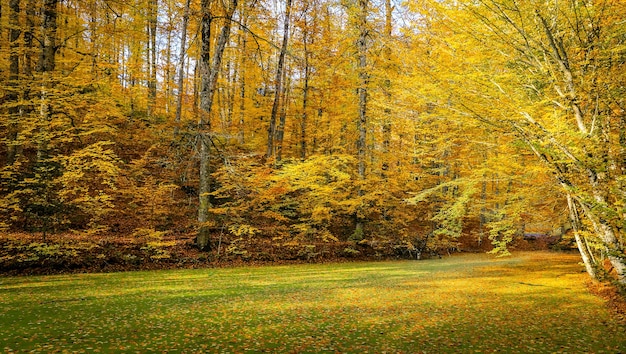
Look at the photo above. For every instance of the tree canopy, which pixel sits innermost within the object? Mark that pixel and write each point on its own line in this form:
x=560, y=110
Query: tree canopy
x=418, y=125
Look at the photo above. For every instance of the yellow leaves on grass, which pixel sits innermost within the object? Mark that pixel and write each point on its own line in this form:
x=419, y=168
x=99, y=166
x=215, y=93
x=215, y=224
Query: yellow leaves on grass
x=532, y=302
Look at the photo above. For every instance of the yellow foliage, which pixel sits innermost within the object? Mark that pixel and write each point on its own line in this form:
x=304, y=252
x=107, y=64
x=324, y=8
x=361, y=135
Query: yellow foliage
x=243, y=230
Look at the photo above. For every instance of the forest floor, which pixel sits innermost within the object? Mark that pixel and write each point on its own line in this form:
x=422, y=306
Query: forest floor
x=530, y=302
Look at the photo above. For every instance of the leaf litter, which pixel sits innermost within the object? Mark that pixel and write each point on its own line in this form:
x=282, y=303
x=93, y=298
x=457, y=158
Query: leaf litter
x=457, y=304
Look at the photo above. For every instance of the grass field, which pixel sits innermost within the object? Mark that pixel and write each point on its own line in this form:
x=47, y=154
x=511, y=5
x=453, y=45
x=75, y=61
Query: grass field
x=532, y=302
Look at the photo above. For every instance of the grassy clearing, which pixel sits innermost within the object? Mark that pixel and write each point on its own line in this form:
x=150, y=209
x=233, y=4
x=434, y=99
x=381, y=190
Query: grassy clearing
x=533, y=302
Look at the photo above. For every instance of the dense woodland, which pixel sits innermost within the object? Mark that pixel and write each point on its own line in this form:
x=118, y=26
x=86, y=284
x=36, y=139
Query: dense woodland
x=398, y=127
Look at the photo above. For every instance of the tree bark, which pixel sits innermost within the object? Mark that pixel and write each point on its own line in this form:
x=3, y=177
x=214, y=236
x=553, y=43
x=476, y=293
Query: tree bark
x=387, y=90
x=152, y=54
x=47, y=61
x=28, y=41
x=168, y=59
x=46, y=66
x=181, y=66
x=614, y=251
x=243, y=44
x=585, y=254
x=280, y=131
x=362, y=92
x=12, y=95
x=209, y=70
x=305, y=93
x=272, y=129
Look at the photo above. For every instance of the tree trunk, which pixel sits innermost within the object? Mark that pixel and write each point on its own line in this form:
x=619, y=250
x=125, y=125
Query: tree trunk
x=206, y=97
x=585, y=254
x=12, y=95
x=280, y=131
x=271, y=131
x=230, y=96
x=363, y=73
x=28, y=41
x=48, y=42
x=181, y=67
x=168, y=59
x=209, y=70
x=243, y=43
x=151, y=54
x=605, y=232
x=305, y=93
x=46, y=66
x=483, y=211
x=387, y=89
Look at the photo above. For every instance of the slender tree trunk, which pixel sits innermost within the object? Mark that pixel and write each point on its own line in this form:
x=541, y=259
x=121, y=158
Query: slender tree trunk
x=154, y=20
x=206, y=97
x=47, y=61
x=181, y=66
x=362, y=92
x=615, y=251
x=30, y=53
x=225, y=96
x=14, y=78
x=243, y=43
x=483, y=211
x=94, y=41
x=28, y=42
x=196, y=88
x=152, y=54
x=230, y=93
x=280, y=131
x=387, y=89
x=609, y=240
x=168, y=59
x=585, y=254
x=305, y=93
x=46, y=66
x=362, y=89
x=271, y=131
x=209, y=70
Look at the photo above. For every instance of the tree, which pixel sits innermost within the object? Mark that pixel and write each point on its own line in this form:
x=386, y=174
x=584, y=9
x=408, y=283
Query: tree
x=12, y=95
x=274, y=132
x=151, y=52
x=181, y=63
x=567, y=46
x=362, y=92
x=548, y=69
x=209, y=68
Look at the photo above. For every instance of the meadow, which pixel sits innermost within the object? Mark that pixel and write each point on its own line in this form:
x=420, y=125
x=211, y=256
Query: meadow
x=530, y=302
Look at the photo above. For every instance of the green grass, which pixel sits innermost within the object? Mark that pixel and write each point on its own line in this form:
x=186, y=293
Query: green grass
x=532, y=302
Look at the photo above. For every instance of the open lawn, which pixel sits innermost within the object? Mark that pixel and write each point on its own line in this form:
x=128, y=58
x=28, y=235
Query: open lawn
x=532, y=302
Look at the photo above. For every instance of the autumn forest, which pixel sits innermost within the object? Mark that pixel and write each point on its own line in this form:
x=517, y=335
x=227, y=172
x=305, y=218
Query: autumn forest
x=307, y=129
